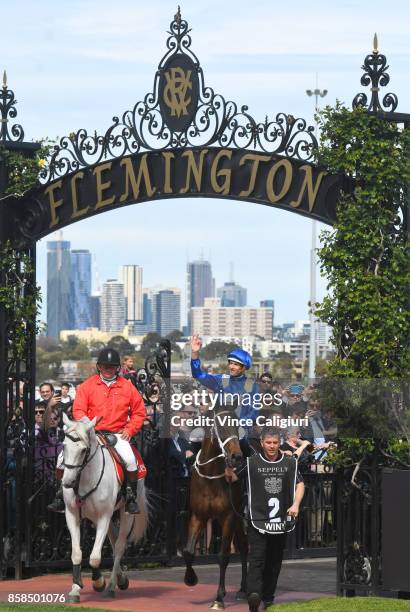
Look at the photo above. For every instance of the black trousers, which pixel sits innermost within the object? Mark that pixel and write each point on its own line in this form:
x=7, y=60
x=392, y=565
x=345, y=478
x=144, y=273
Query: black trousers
x=265, y=560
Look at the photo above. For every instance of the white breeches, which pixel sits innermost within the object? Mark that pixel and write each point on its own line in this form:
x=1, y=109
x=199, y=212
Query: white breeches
x=122, y=447
x=125, y=451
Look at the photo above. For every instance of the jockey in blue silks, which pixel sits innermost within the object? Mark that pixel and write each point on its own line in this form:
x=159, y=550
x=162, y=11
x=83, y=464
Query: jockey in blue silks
x=235, y=382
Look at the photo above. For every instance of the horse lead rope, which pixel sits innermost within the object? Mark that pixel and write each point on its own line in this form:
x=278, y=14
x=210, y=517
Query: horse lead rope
x=86, y=461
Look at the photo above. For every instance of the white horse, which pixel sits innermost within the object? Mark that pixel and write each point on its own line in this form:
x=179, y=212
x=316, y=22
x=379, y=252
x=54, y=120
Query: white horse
x=91, y=490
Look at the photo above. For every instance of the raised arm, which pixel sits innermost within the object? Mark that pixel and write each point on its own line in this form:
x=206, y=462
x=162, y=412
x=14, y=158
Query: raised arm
x=196, y=345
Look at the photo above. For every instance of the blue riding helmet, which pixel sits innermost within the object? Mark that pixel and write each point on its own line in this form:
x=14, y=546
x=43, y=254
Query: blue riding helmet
x=296, y=389
x=240, y=356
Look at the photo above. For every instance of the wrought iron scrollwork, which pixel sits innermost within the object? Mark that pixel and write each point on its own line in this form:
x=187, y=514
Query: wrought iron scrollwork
x=357, y=568
x=375, y=67
x=8, y=111
x=215, y=121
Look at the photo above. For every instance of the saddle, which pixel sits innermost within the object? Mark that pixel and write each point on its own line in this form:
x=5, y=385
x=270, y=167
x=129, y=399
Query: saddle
x=108, y=440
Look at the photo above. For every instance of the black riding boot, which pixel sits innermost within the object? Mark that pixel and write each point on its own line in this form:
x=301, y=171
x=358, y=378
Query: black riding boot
x=58, y=505
x=131, y=503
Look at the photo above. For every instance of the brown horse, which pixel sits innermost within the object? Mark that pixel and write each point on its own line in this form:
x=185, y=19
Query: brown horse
x=213, y=497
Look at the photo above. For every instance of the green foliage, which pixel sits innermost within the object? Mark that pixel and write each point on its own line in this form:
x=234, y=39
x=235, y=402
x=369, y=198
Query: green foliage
x=23, y=170
x=174, y=337
x=365, y=257
x=217, y=350
x=19, y=296
x=366, y=261
x=149, y=343
x=121, y=345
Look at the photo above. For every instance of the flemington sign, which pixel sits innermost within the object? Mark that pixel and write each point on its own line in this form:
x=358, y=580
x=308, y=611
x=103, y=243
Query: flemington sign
x=205, y=172
x=182, y=140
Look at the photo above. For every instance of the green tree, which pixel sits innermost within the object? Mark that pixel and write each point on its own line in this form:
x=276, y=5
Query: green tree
x=217, y=349
x=121, y=345
x=149, y=342
x=48, y=365
x=174, y=337
x=74, y=348
x=366, y=260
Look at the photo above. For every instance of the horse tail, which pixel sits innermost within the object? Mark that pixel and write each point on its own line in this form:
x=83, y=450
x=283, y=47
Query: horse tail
x=141, y=520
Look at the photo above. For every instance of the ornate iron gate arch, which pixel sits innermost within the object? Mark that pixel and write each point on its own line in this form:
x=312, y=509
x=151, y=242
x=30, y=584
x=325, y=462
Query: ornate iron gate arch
x=181, y=140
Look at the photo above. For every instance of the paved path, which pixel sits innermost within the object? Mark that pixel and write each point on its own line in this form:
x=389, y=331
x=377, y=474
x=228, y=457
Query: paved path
x=163, y=589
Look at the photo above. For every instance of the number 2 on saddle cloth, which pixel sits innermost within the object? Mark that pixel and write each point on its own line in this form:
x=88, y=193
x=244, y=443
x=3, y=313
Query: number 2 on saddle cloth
x=109, y=441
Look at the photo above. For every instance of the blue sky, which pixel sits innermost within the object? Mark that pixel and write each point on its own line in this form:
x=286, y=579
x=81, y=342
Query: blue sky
x=76, y=64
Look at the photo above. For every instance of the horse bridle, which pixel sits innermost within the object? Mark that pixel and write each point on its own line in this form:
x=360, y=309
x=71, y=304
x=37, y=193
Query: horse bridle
x=87, y=459
x=222, y=454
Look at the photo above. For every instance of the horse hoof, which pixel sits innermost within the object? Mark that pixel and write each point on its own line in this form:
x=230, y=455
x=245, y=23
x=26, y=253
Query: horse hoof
x=240, y=596
x=99, y=588
x=217, y=605
x=190, y=579
x=73, y=599
x=109, y=594
x=123, y=584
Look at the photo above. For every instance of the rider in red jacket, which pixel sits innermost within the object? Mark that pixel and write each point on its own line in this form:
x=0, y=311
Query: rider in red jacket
x=119, y=409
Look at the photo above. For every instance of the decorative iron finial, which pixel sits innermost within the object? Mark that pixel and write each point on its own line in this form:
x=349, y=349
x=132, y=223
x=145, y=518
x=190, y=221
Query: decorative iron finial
x=178, y=16
x=375, y=66
x=8, y=111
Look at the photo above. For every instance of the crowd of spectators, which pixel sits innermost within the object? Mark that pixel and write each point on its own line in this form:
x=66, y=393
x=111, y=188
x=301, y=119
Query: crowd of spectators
x=310, y=442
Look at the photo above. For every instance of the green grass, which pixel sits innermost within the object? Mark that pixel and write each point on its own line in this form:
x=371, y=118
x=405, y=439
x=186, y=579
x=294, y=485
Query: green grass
x=339, y=604
x=48, y=607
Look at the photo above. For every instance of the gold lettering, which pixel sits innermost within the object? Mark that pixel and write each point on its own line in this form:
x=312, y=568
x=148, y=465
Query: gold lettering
x=272, y=196
x=77, y=212
x=167, y=179
x=54, y=204
x=101, y=186
x=252, y=157
x=143, y=173
x=308, y=184
x=194, y=169
x=226, y=174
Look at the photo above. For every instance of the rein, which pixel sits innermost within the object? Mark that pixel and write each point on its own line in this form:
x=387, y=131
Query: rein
x=87, y=461
x=222, y=454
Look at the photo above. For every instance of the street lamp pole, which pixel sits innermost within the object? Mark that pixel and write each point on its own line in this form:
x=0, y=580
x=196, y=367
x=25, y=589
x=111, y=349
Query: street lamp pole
x=312, y=337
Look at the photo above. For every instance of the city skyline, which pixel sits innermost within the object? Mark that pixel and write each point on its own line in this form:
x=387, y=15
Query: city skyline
x=234, y=288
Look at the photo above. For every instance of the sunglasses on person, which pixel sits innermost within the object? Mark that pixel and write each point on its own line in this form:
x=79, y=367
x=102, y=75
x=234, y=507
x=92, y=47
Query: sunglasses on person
x=39, y=412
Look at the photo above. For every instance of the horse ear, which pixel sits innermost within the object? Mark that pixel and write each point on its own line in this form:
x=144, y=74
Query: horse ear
x=66, y=420
x=91, y=424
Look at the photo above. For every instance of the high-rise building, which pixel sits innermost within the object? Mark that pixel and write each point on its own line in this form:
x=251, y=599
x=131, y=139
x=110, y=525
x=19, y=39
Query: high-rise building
x=166, y=311
x=95, y=311
x=200, y=284
x=145, y=326
x=214, y=320
x=269, y=304
x=59, y=290
x=131, y=277
x=232, y=294
x=81, y=288
x=113, y=307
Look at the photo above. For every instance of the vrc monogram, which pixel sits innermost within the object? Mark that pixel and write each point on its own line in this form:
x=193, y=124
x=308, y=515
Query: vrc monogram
x=175, y=92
